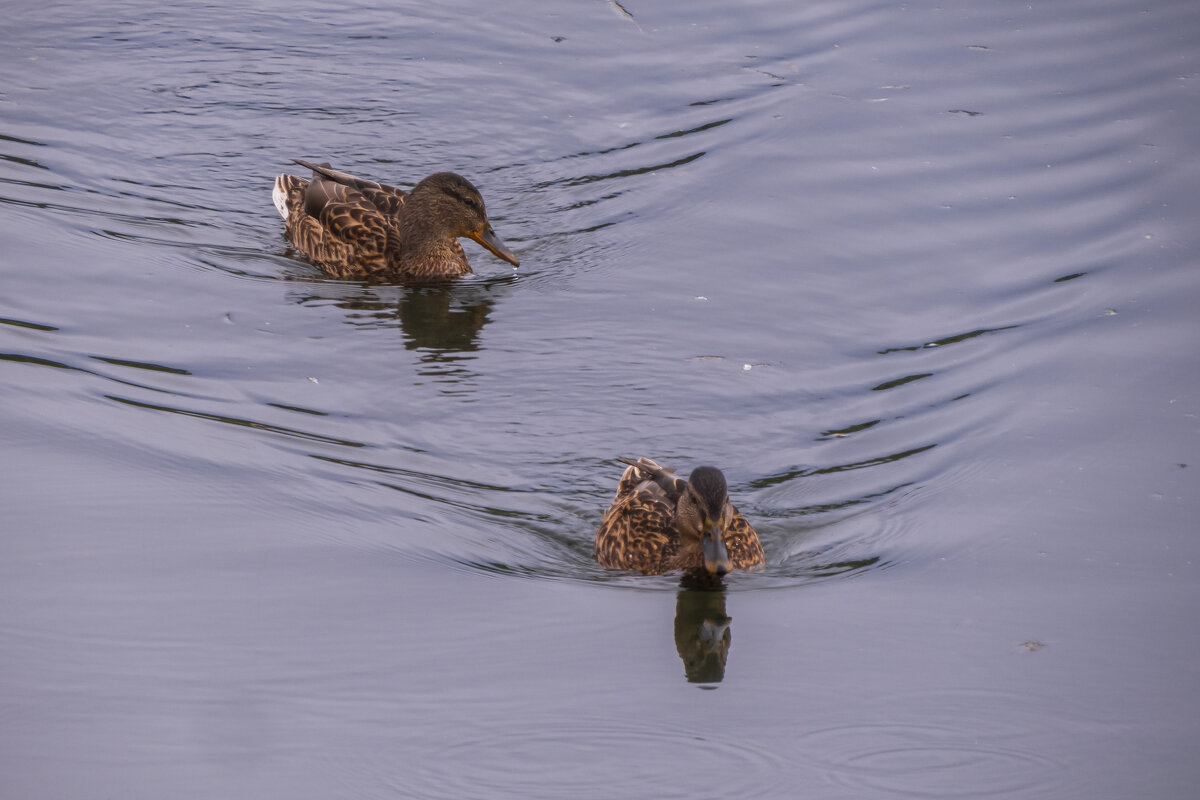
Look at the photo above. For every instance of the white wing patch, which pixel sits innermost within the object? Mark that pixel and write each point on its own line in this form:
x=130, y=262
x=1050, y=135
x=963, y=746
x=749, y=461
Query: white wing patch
x=279, y=198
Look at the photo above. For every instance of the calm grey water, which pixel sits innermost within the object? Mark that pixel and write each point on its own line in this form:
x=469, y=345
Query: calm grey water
x=921, y=278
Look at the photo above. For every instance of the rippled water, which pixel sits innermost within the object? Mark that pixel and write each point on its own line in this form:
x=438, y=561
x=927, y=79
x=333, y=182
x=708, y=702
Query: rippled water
x=921, y=280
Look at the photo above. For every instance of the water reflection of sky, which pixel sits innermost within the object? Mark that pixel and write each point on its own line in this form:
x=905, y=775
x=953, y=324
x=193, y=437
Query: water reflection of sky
x=916, y=278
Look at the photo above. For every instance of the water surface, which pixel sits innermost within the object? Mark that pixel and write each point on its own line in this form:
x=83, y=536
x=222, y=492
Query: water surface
x=921, y=280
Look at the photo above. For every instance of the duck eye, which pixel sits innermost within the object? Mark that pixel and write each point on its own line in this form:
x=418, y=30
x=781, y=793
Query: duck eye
x=465, y=199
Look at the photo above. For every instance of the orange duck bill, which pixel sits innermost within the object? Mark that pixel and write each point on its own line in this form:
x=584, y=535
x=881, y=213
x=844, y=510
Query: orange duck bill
x=488, y=238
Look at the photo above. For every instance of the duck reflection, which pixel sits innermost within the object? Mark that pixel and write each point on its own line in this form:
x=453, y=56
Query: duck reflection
x=441, y=323
x=443, y=319
x=436, y=318
x=702, y=632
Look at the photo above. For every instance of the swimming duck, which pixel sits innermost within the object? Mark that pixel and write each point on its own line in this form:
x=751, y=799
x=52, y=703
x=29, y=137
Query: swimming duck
x=356, y=228
x=658, y=523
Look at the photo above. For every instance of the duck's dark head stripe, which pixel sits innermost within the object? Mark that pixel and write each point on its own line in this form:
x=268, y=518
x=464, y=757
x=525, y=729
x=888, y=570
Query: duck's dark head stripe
x=466, y=199
x=462, y=198
x=709, y=483
x=458, y=188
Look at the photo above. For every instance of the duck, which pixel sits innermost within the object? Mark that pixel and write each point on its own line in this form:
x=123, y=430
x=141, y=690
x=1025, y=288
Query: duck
x=659, y=523
x=359, y=229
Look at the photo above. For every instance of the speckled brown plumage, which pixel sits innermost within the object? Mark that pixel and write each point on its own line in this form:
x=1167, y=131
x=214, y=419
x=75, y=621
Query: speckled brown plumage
x=658, y=523
x=354, y=228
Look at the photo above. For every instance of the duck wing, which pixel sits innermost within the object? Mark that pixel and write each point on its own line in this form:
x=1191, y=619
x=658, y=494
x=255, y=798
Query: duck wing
x=339, y=228
x=645, y=469
x=741, y=540
x=637, y=531
x=328, y=172
x=350, y=216
x=387, y=199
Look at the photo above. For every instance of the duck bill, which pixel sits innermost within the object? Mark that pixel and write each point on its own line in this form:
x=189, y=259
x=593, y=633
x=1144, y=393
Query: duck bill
x=716, y=555
x=488, y=238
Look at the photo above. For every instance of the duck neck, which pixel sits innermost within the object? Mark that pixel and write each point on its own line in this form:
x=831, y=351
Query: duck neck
x=422, y=249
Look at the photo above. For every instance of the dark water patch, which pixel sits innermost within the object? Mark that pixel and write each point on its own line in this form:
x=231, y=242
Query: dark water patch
x=632, y=171
x=35, y=326
x=841, y=433
x=603, y=151
x=27, y=184
x=23, y=161
x=820, y=568
x=20, y=358
x=794, y=474
x=18, y=140
x=897, y=382
x=120, y=362
x=252, y=264
x=237, y=422
x=17, y=201
x=854, y=503
x=947, y=340
x=698, y=129
x=415, y=478
x=299, y=410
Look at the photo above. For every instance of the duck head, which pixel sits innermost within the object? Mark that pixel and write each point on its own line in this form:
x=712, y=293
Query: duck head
x=701, y=516
x=454, y=204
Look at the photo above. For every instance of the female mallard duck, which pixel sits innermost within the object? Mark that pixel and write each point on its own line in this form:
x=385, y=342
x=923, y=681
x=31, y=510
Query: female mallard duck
x=658, y=523
x=359, y=229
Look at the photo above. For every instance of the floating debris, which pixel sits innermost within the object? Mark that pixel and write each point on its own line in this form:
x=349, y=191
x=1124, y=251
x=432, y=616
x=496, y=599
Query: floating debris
x=624, y=12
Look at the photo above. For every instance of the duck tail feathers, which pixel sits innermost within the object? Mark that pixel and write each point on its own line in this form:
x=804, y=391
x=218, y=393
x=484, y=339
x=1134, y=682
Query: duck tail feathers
x=344, y=178
x=279, y=196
